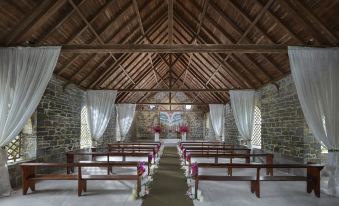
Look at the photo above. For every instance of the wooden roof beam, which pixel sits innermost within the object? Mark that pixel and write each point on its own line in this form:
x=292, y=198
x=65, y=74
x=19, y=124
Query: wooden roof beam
x=187, y=48
x=97, y=36
x=35, y=20
x=234, y=73
x=102, y=78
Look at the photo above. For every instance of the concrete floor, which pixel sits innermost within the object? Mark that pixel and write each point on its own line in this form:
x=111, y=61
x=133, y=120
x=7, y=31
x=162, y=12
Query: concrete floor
x=272, y=193
x=119, y=193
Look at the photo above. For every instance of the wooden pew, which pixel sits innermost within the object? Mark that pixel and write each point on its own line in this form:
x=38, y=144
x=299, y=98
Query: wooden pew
x=268, y=158
x=70, y=157
x=312, y=178
x=133, y=148
x=29, y=175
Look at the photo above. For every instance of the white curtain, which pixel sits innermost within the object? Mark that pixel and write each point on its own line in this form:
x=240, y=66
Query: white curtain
x=24, y=75
x=100, y=106
x=243, y=104
x=217, y=119
x=125, y=115
x=316, y=75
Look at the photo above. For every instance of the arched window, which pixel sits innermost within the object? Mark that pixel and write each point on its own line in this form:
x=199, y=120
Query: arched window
x=256, y=135
x=85, y=136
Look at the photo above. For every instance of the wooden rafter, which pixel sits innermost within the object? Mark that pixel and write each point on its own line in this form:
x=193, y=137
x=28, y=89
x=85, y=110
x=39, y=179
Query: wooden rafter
x=234, y=74
x=97, y=36
x=102, y=78
x=37, y=18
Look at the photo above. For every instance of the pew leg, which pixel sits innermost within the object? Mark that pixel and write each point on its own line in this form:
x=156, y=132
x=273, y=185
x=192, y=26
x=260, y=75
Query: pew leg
x=257, y=188
x=80, y=187
x=309, y=186
x=32, y=185
x=252, y=186
x=25, y=187
x=138, y=185
x=314, y=175
x=196, y=185
x=84, y=185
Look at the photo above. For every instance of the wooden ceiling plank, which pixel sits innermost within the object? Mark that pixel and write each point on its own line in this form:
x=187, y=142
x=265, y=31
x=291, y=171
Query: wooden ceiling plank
x=170, y=21
x=285, y=5
x=58, y=24
x=216, y=41
x=154, y=71
x=235, y=75
x=254, y=25
x=97, y=36
x=278, y=21
x=78, y=33
x=35, y=20
x=160, y=21
x=311, y=17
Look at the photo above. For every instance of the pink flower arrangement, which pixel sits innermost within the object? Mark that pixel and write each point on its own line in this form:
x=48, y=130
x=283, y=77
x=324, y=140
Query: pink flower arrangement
x=194, y=169
x=141, y=168
x=183, y=129
x=188, y=157
x=156, y=129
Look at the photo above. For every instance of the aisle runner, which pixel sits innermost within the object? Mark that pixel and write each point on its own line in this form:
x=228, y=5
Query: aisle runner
x=169, y=186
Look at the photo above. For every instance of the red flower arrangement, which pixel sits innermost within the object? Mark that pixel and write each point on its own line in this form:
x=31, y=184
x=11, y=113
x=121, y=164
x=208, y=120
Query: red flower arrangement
x=183, y=129
x=156, y=129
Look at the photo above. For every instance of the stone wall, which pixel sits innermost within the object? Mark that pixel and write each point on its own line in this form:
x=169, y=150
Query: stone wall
x=195, y=121
x=284, y=129
x=143, y=121
x=58, y=117
x=231, y=130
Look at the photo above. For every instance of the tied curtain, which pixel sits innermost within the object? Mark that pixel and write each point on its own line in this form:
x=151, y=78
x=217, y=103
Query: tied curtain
x=316, y=75
x=217, y=118
x=24, y=75
x=125, y=115
x=243, y=104
x=100, y=106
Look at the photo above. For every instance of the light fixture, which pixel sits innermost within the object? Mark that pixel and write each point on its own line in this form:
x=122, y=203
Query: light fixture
x=188, y=107
x=151, y=106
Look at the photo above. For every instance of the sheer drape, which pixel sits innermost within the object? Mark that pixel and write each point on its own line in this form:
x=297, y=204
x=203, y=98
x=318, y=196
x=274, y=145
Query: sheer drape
x=217, y=119
x=316, y=75
x=243, y=103
x=125, y=115
x=100, y=106
x=24, y=75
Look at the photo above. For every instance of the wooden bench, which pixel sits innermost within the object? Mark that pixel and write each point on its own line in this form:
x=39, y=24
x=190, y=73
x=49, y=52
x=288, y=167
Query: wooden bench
x=134, y=148
x=70, y=157
x=268, y=158
x=29, y=175
x=312, y=178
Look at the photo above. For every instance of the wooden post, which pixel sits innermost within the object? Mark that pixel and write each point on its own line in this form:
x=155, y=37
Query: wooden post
x=138, y=183
x=257, y=184
x=269, y=161
x=70, y=160
x=196, y=185
x=313, y=173
x=27, y=173
x=80, y=181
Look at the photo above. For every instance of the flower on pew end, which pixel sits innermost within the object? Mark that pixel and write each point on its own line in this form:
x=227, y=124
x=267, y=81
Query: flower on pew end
x=194, y=169
x=188, y=156
x=141, y=168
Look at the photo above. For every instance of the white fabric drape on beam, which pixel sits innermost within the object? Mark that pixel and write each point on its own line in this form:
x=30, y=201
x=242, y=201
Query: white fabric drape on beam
x=24, y=75
x=125, y=115
x=100, y=106
x=316, y=75
x=243, y=104
x=217, y=119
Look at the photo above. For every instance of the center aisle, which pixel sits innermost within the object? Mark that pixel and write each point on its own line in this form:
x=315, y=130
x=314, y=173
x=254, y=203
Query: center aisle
x=169, y=185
